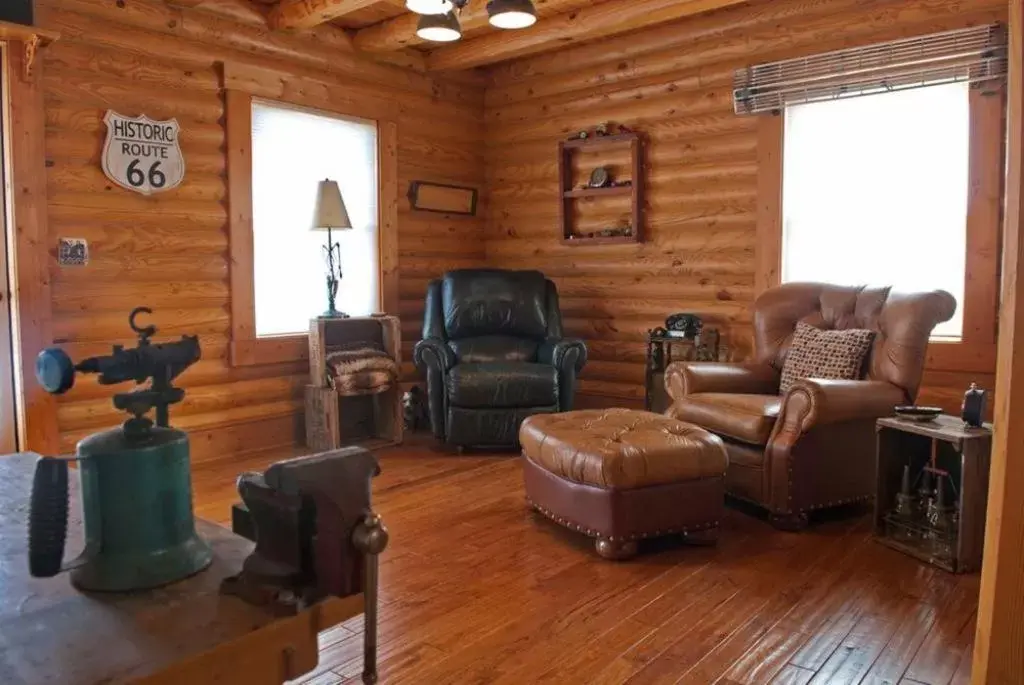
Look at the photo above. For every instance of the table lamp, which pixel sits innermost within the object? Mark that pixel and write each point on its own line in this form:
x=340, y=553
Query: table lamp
x=331, y=214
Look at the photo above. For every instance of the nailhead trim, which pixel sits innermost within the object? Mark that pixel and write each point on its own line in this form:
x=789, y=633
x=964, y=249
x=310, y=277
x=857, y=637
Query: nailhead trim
x=572, y=525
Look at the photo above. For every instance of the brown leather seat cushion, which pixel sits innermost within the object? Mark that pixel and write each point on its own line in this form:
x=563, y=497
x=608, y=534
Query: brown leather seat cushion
x=748, y=418
x=621, y=448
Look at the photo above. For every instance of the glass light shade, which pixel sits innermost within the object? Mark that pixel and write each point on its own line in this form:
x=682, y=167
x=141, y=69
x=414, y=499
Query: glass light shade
x=511, y=14
x=439, y=28
x=429, y=7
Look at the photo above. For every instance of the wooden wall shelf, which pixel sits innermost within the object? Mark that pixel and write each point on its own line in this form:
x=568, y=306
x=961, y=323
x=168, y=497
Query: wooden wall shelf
x=570, y=192
x=597, y=192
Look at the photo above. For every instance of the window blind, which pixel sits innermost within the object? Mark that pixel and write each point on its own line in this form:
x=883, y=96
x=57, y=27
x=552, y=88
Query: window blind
x=965, y=55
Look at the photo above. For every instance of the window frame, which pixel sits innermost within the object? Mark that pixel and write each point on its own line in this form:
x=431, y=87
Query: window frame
x=976, y=350
x=245, y=348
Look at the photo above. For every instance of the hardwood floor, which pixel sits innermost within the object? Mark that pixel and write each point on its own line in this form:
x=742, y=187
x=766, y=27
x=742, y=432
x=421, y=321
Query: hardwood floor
x=477, y=589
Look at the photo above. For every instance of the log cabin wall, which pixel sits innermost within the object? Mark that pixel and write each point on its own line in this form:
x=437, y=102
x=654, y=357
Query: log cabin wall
x=673, y=83
x=170, y=251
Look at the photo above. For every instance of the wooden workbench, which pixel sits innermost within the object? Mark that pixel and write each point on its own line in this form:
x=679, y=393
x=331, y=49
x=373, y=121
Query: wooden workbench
x=183, y=633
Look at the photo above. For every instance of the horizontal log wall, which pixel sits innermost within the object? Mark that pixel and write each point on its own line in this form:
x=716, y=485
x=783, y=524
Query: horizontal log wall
x=673, y=83
x=170, y=251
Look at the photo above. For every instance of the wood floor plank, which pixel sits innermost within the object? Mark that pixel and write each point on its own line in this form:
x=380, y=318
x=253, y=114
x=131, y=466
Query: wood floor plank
x=949, y=639
x=792, y=675
x=895, y=658
x=477, y=589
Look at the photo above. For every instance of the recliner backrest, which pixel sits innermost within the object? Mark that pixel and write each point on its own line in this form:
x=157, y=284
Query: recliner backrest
x=492, y=315
x=902, y=324
x=489, y=302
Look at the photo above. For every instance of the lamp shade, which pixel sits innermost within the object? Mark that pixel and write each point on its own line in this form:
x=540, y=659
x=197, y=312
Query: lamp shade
x=330, y=208
x=439, y=28
x=511, y=14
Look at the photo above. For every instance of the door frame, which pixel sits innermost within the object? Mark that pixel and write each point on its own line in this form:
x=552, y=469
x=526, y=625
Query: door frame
x=8, y=396
x=29, y=251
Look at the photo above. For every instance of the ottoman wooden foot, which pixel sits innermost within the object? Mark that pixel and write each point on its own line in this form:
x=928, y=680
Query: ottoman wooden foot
x=708, y=536
x=792, y=523
x=617, y=550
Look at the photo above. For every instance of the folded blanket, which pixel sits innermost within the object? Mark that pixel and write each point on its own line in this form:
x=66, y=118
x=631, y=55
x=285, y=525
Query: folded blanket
x=361, y=370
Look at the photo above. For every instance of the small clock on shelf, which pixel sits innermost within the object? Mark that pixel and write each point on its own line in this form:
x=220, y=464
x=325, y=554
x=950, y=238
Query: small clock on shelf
x=600, y=177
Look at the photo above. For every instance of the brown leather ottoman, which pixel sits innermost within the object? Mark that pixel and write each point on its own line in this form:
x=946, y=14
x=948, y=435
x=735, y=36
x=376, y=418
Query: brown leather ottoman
x=620, y=475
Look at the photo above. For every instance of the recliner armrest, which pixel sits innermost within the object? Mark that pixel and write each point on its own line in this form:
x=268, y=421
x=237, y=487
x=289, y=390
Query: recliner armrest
x=687, y=378
x=814, y=401
x=434, y=354
x=564, y=354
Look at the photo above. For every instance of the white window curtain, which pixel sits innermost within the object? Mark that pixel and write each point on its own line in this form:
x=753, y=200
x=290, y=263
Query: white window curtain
x=292, y=151
x=875, y=192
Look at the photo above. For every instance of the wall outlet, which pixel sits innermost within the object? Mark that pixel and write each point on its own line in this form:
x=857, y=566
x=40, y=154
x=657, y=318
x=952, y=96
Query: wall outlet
x=72, y=252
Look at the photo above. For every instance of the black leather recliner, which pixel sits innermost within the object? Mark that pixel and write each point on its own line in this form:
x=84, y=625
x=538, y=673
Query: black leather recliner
x=493, y=354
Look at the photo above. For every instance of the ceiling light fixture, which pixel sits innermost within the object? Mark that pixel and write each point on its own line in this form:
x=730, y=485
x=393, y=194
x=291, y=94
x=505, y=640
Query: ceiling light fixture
x=511, y=14
x=439, y=28
x=429, y=7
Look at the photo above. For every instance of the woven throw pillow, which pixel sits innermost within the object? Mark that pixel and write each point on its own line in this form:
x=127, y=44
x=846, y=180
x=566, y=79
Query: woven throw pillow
x=817, y=353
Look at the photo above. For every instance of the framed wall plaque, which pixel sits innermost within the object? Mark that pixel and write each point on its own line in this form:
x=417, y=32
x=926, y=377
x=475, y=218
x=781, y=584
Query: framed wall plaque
x=439, y=197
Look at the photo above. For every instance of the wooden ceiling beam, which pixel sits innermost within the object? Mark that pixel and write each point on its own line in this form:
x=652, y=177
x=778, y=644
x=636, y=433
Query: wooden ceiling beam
x=596, y=21
x=305, y=14
x=400, y=32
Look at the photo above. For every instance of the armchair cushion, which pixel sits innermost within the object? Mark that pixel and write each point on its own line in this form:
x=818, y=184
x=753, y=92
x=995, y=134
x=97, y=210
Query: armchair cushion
x=818, y=353
x=502, y=385
x=687, y=378
x=744, y=417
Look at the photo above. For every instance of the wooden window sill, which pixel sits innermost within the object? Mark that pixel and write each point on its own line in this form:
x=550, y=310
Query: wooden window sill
x=275, y=350
x=961, y=356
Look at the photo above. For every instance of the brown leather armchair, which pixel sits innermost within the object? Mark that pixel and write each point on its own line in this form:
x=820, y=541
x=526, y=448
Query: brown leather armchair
x=814, y=447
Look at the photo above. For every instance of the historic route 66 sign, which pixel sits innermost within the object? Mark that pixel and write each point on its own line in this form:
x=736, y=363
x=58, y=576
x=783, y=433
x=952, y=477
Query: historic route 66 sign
x=141, y=154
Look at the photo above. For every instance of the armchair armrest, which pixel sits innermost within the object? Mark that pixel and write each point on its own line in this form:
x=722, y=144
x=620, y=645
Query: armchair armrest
x=565, y=354
x=814, y=402
x=687, y=378
x=433, y=354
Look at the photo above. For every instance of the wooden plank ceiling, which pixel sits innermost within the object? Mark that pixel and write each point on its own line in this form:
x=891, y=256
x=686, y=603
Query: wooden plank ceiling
x=386, y=26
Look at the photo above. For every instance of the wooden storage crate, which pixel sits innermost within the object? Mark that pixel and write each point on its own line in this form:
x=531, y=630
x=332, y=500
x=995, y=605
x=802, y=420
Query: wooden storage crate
x=962, y=452
x=332, y=420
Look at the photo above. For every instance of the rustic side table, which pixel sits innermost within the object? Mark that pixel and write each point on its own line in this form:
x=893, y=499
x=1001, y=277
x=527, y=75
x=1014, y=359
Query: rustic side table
x=933, y=490
x=372, y=420
x=662, y=350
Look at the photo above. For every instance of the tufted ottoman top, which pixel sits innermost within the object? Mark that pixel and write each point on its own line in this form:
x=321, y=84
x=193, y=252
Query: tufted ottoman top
x=621, y=448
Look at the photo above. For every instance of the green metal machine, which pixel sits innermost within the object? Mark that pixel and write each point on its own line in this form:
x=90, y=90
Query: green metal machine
x=136, y=482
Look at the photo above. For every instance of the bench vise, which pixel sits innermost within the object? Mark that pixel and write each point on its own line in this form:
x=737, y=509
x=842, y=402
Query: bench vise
x=316, y=536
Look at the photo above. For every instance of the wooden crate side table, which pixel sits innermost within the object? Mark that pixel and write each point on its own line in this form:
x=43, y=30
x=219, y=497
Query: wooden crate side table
x=662, y=350
x=961, y=451
x=333, y=421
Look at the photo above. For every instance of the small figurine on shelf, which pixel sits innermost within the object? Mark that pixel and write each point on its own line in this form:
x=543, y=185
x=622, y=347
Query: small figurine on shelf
x=972, y=411
x=603, y=129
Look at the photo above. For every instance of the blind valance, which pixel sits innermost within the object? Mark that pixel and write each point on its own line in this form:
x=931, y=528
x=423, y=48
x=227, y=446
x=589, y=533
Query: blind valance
x=964, y=55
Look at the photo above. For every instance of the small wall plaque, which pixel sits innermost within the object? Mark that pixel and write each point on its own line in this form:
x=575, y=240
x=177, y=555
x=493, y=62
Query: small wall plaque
x=439, y=197
x=72, y=252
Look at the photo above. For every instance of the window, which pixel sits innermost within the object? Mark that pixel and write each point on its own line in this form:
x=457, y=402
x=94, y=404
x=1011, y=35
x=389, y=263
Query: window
x=875, y=191
x=292, y=151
